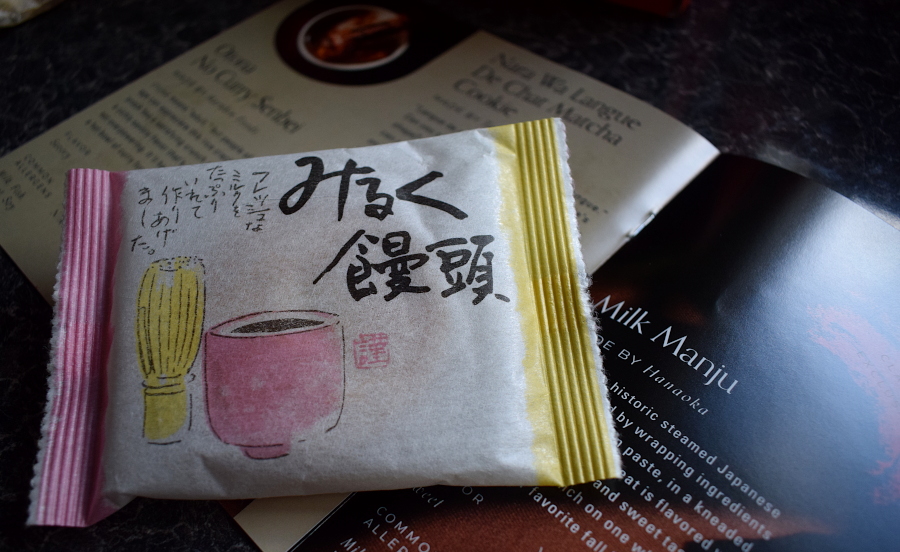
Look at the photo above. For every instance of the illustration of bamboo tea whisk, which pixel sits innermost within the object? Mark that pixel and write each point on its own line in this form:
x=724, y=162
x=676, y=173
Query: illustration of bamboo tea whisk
x=168, y=328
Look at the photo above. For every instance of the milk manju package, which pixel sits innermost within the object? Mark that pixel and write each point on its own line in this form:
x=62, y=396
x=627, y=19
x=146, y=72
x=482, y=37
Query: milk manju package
x=381, y=317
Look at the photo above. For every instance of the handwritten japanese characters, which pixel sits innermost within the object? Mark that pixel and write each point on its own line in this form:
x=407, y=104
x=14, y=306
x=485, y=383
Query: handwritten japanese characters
x=370, y=259
x=460, y=266
x=214, y=192
x=380, y=211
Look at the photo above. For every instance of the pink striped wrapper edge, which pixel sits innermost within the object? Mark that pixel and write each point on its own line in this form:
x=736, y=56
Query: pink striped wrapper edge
x=65, y=489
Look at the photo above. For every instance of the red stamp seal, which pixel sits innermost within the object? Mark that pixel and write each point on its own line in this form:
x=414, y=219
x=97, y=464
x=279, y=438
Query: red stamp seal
x=372, y=351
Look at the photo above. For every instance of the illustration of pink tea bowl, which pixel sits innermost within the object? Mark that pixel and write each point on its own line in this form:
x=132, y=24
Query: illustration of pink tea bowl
x=274, y=378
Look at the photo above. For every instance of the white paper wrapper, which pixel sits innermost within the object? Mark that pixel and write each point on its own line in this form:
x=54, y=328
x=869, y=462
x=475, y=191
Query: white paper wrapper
x=382, y=317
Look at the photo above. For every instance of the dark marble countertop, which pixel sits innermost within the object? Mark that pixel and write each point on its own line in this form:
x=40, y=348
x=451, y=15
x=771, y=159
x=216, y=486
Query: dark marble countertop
x=811, y=85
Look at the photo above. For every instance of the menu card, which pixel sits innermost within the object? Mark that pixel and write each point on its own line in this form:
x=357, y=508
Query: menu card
x=304, y=76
